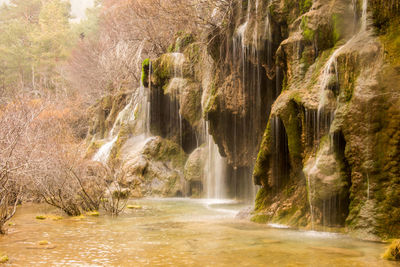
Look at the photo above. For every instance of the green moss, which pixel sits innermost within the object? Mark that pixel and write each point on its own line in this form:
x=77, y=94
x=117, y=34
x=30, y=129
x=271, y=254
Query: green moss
x=183, y=41
x=272, y=11
x=293, y=127
x=134, y=207
x=4, y=259
x=305, y=5
x=213, y=103
x=261, y=197
x=393, y=251
x=285, y=85
x=291, y=10
x=79, y=217
x=391, y=40
x=307, y=59
x=41, y=217
x=162, y=70
x=193, y=53
x=171, y=48
x=260, y=173
x=93, y=213
x=337, y=27
x=296, y=96
x=308, y=33
x=348, y=75
x=167, y=151
x=383, y=13
x=260, y=218
x=43, y=243
x=145, y=72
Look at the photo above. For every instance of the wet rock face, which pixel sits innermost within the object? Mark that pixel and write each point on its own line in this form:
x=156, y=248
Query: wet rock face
x=175, y=98
x=306, y=92
x=104, y=113
x=335, y=118
x=245, y=81
x=154, y=169
x=194, y=172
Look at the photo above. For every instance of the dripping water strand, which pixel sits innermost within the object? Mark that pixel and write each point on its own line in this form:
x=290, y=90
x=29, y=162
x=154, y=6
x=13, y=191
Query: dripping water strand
x=331, y=68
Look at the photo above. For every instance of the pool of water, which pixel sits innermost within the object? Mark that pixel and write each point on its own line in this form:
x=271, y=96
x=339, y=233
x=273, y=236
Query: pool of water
x=175, y=232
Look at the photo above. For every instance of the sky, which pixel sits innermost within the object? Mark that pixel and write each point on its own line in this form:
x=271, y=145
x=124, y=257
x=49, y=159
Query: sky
x=78, y=7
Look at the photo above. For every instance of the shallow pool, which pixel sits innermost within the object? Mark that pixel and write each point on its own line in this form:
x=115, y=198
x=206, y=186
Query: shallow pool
x=175, y=232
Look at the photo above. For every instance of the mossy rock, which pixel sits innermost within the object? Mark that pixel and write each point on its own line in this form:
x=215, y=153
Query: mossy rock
x=195, y=164
x=145, y=72
x=383, y=13
x=191, y=103
x=93, y=213
x=393, y=251
x=261, y=198
x=166, y=151
x=261, y=168
x=182, y=41
x=391, y=40
x=162, y=70
x=260, y=218
x=79, y=217
x=43, y=243
x=4, y=259
x=134, y=207
x=305, y=5
x=308, y=33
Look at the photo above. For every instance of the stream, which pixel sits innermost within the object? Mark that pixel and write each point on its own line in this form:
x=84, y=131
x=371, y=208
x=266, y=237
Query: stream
x=175, y=232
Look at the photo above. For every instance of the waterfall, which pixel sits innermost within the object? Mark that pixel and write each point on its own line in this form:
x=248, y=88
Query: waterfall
x=148, y=101
x=104, y=152
x=257, y=89
x=310, y=193
x=175, y=87
x=364, y=16
x=329, y=72
x=137, y=110
x=215, y=170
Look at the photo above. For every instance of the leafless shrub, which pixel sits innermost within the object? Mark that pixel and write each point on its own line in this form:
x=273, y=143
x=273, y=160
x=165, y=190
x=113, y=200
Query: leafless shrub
x=116, y=196
x=131, y=30
x=16, y=119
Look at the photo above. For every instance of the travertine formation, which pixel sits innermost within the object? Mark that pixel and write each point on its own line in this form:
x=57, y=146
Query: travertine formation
x=301, y=97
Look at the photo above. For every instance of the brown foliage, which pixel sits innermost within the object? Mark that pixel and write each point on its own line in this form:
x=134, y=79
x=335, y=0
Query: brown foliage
x=132, y=30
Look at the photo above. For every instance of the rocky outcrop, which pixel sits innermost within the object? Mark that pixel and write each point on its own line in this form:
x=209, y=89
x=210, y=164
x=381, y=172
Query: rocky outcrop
x=302, y=97
x=328, y=153
x=175, y=94
x=155, y=168
x=195, y=171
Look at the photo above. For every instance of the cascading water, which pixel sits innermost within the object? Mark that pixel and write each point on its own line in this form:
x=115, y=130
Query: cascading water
x=258, y=91
x=175, y=87
x=136, y=111
x=331, y=65
x=323, y=120
x=215, y=170
x=104, y=152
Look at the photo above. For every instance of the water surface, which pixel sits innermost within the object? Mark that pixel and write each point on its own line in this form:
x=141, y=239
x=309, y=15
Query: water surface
x=175, y=232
